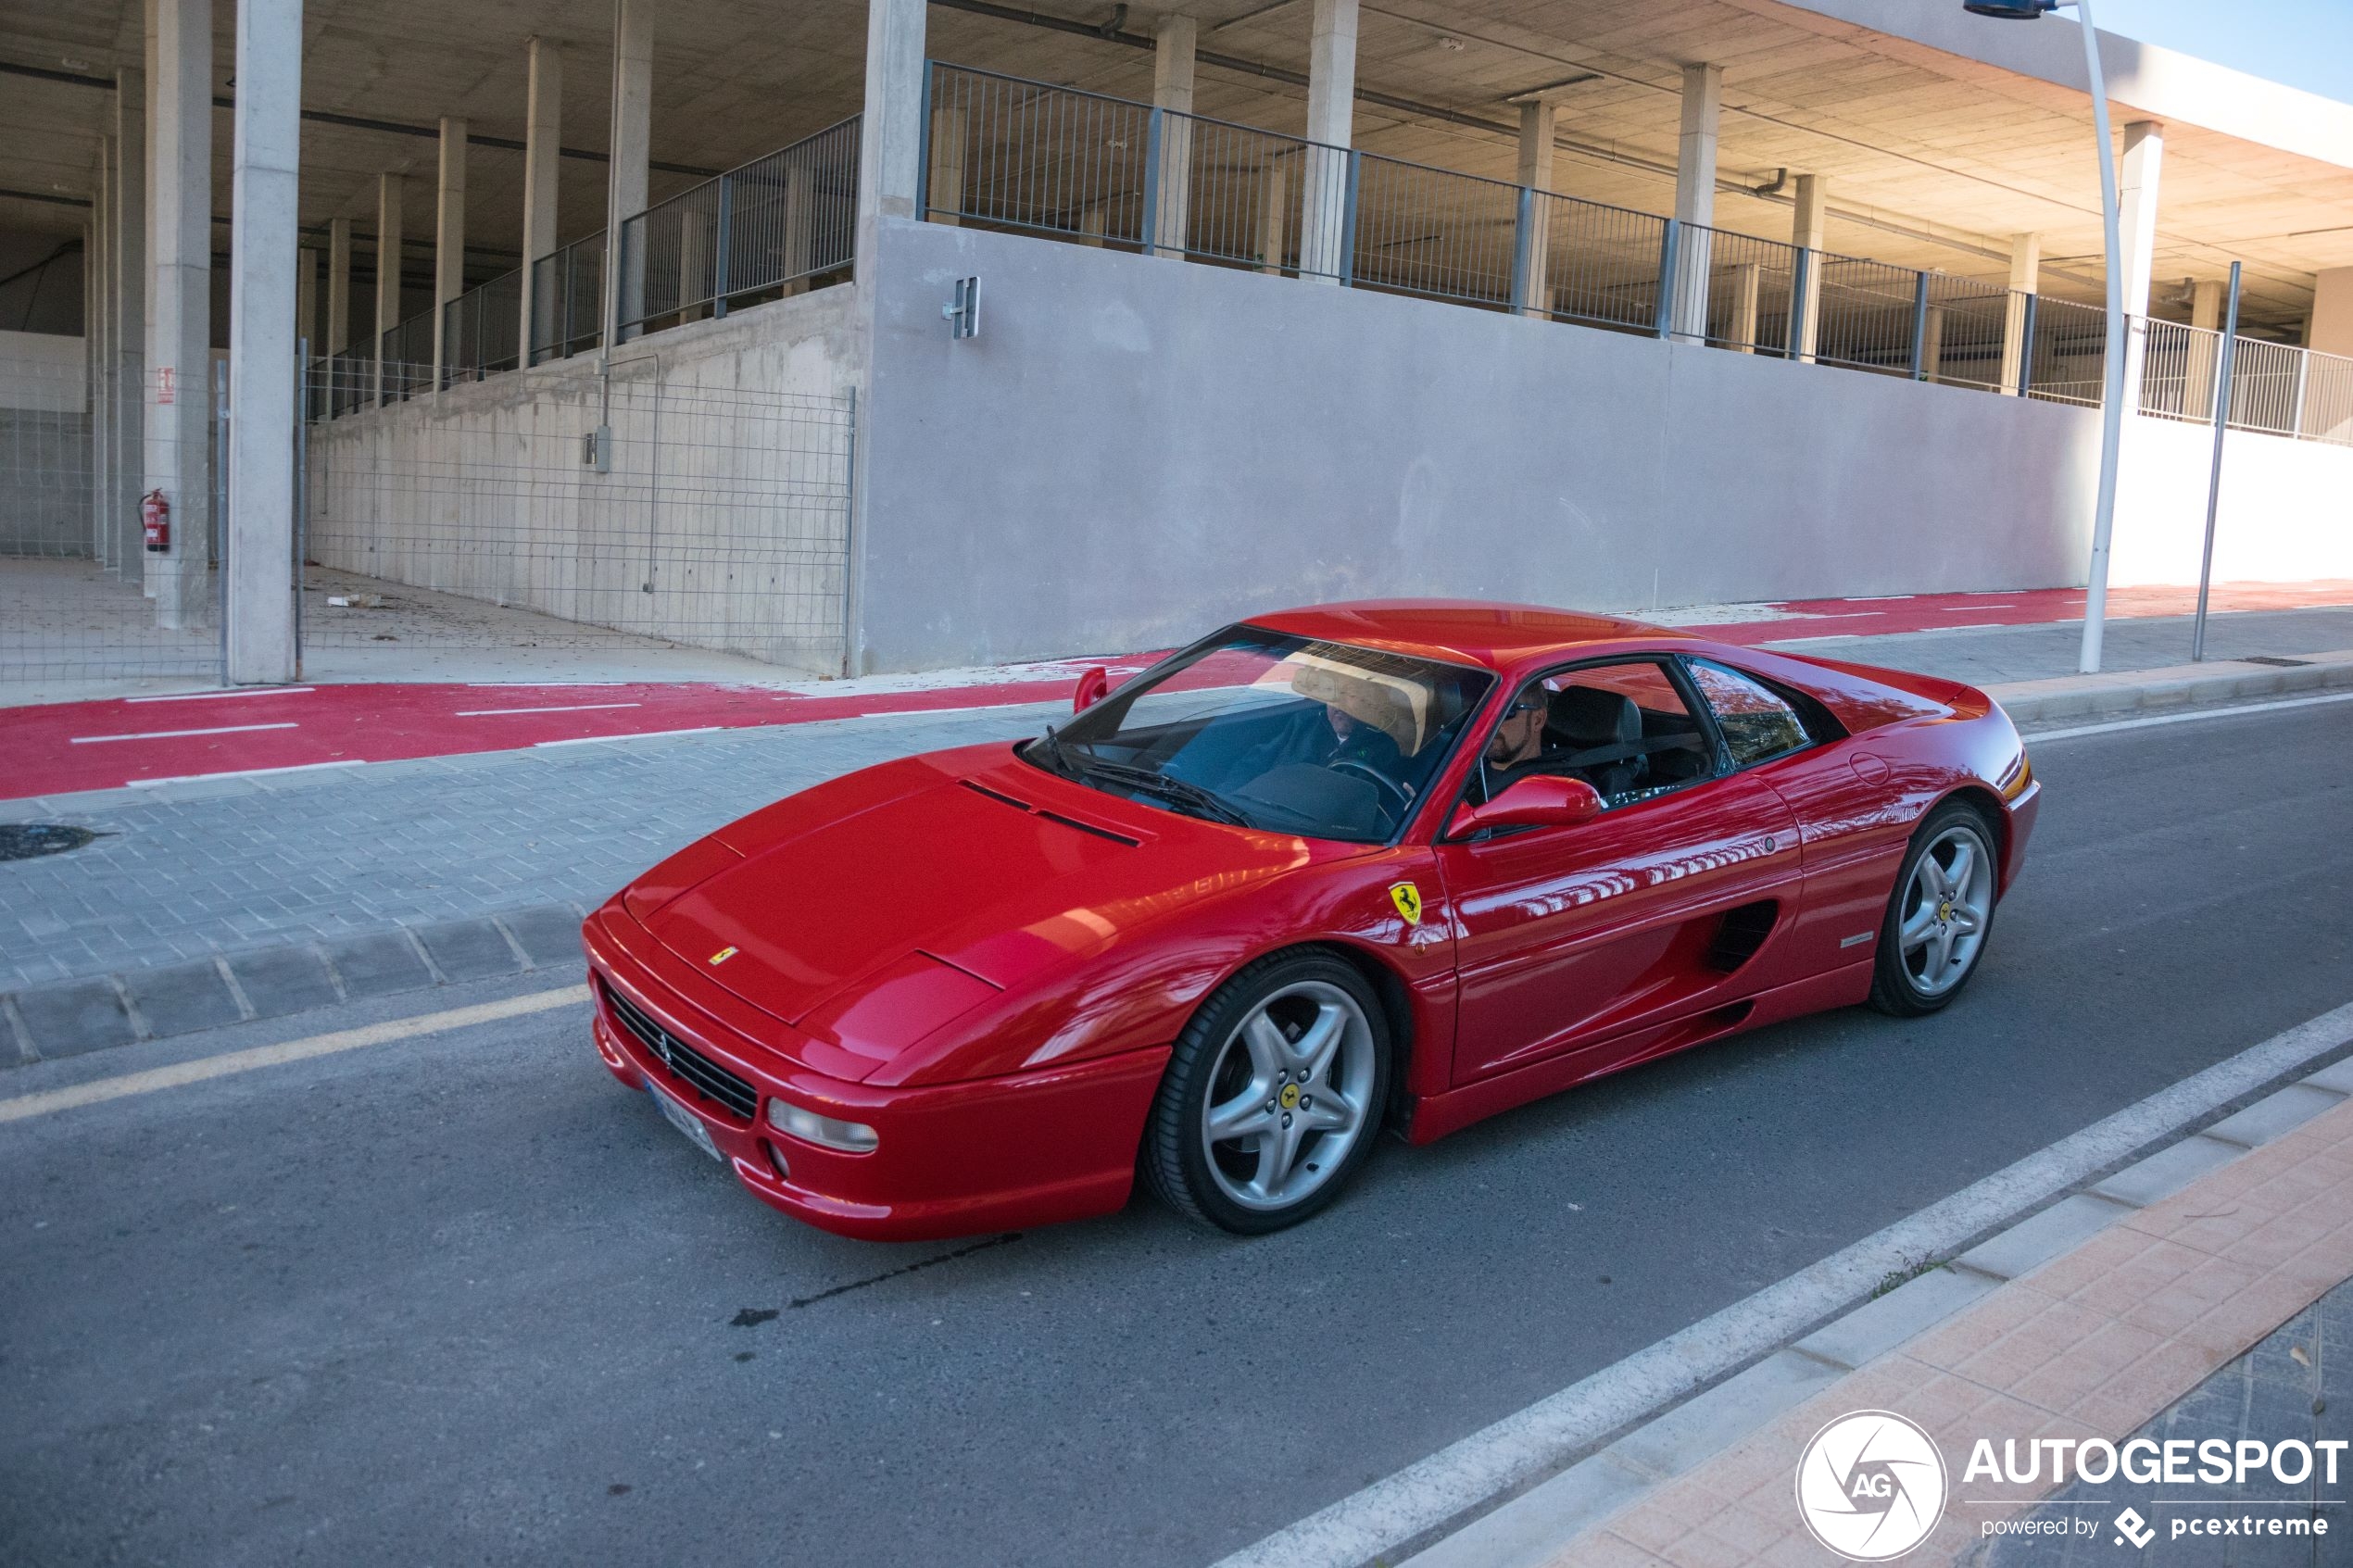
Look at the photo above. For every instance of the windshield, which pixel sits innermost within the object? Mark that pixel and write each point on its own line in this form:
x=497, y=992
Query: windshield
x=1279, y=732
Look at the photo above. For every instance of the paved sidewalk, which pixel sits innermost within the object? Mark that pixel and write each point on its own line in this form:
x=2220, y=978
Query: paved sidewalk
x=2102, y=1342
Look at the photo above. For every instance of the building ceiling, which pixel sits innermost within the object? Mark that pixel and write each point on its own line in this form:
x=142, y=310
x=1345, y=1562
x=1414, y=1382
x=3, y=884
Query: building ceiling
x=1933, y=160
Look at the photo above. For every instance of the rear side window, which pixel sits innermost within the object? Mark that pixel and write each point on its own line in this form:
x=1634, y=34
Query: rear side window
x=1758, y=724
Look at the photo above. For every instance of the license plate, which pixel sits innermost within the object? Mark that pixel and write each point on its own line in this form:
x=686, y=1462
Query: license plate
x=685, y=1121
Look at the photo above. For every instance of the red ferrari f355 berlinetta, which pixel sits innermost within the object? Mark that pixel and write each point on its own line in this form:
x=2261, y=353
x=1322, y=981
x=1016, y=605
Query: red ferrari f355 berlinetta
x=1396, y=865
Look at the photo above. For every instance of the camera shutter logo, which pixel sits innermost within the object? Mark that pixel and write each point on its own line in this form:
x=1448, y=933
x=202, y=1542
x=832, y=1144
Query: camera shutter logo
x=1870, y=1485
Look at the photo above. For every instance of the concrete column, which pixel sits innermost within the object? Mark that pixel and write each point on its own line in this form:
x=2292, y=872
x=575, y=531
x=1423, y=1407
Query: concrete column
x=259, y=572
x=1809, y=228
x=1696, y=196
x=944, y=194
x=633, y=100
x=1274, y=214
x=339, y=284
x=890, y=137
x=1173, y=50
x=1748, y=287
x=542, y=144
x=2330, y=331
x=1094, y=221
x=448, y=239
x=389, y=193
x=1933, y=343
x=307, y=302
x=2136, y=194
x=98, y=315
x=2205, y=353
x=1538, y=120
x=1324, y=240
x=179, y=387
x=2026, y=270
x=129, y=304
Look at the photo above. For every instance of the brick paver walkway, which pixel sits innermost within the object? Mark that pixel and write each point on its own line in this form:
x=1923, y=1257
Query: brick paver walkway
x=2095, y=1344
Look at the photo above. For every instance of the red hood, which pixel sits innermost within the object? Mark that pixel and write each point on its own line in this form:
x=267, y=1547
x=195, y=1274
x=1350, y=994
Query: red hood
x=876, y=908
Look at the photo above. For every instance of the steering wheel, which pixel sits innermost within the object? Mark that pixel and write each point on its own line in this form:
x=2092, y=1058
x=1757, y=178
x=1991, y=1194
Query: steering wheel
x=1388, y=786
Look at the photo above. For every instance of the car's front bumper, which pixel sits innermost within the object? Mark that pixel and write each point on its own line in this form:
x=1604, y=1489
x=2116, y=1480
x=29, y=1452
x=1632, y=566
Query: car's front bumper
x=994, y=1154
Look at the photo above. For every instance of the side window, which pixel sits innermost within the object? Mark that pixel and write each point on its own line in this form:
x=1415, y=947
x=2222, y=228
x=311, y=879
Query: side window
x=1758, y=724
x=1623, y=728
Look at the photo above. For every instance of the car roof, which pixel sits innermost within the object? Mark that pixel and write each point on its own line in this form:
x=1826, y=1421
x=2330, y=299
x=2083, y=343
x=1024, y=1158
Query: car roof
x=1499, y=636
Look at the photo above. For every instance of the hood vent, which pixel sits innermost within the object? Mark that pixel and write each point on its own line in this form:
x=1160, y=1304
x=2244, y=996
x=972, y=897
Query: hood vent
x=1050, y=815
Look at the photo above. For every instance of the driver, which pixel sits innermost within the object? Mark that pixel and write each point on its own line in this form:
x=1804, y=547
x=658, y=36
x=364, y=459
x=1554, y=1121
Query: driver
x=1354, y=740
x=1519, y=737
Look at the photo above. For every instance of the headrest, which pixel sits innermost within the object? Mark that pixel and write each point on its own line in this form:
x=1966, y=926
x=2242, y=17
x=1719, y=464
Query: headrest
x=1589, y=716
x=1397, y=707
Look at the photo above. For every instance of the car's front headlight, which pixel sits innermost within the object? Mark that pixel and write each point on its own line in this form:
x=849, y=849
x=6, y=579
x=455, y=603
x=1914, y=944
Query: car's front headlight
x=825, y=1132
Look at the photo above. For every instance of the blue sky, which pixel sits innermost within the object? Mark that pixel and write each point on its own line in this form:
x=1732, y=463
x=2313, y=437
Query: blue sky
x=2306, y=44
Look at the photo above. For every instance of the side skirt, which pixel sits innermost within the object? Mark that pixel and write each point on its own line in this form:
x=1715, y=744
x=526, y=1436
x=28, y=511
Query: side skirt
x=1434, y=1116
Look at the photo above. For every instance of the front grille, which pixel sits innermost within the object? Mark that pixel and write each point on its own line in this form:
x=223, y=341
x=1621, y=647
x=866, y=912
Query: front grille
x=707, y=1078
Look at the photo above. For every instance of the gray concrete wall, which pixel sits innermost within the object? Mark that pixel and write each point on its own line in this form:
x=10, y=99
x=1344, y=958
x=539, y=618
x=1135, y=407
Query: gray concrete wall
x=1137, y=449
x=721, y=523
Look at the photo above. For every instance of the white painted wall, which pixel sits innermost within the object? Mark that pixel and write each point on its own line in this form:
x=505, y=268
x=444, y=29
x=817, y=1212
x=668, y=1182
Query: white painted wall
x=2285, y=516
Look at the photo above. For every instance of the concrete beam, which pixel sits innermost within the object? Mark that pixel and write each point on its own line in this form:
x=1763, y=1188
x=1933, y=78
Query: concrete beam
x=448, y=237
x=265, y=190
x=1324, y=237
x=1696, y=196
x=390, y=193
x=2026, y=277
x=542, y=160
x=178, y=404
x=128, y=301
x=625, y=190
x=1174, y=46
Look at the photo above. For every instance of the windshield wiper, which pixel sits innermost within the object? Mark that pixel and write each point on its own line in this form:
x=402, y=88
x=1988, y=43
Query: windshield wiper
x=1057, y=752
x=1176, y=791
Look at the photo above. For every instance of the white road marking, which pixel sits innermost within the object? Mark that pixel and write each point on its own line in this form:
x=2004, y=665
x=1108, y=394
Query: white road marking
x=1978, y=626
x=175, y=735
x=1971, y=609
x=568, y=707
x=210, y=696
x=2152, y=720
x=244, y=774
x=1544, y=1438
x=181, y=1073
x=649, y=734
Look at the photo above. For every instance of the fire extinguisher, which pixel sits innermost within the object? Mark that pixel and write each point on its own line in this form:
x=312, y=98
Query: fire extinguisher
x=155, y=517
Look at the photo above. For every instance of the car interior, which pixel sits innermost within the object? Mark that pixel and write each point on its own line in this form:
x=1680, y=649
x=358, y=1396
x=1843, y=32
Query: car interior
x=1624, y=728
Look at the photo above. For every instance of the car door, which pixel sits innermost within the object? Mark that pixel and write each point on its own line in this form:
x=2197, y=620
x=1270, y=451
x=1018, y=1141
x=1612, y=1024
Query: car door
x=1585, y=938
x=1853, y=820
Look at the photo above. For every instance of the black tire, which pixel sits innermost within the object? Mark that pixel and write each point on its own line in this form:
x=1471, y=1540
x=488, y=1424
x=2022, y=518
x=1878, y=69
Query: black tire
x=1176, y=1157
x=1896, y=990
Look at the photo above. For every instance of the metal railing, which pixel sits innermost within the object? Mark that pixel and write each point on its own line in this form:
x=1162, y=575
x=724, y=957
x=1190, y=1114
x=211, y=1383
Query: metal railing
x=406, y=352
x=1028, y=157
x=482, y=330
x=748, y=236
x=567, y=299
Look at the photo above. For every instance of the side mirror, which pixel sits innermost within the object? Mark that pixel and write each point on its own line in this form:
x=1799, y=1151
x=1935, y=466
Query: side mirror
x=1543, y=801
x=1094, y=684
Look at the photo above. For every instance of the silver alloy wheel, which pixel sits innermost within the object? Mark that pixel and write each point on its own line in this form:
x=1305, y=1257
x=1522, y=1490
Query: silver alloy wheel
x=1289, y=1095
x=1947, y=905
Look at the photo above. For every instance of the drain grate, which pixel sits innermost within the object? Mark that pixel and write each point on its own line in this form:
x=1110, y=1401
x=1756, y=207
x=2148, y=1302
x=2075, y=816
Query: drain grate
x=2274, y=658
x=25, y=841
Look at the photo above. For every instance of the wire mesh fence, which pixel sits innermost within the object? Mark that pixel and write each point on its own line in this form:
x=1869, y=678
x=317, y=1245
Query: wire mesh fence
x=81, y=600
x=591, y=520
x=779, y=223
x=567, y=299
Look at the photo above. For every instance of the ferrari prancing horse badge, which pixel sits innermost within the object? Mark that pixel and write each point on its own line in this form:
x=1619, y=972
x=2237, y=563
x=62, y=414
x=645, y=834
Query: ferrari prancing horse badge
x=1408, y=900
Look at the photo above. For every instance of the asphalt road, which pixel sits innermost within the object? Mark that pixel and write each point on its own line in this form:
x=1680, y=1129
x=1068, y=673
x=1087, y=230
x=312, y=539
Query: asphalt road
x=460, y=1298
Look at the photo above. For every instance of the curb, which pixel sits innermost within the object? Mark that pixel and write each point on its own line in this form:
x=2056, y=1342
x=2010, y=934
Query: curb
x=2170, y=689
x=94, y=1013
x=1532, y=1528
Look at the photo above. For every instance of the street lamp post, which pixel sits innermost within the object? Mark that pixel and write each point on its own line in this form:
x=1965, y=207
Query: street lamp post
x=2112, y=400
